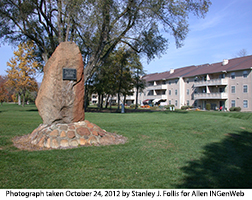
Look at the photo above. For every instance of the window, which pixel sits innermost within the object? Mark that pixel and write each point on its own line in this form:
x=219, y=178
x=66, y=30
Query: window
x=222, y=76
x=187, y=91
x=232, y=103
x=245, y=88
x=151, y=83
x=245, y=103
x=176, y=92
x=160, y=92
x=169, y=92
x=150, y=92
x=221, y=90
x=233, y=89
x=169, y=82
x=176, y=102
x=245, y=74
x=188, y=102
x=233, y=75
x=176, y=81
x=169, y=102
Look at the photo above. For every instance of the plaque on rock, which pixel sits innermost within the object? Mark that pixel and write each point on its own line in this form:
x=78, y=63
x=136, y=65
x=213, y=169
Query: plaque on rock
x=69, y=74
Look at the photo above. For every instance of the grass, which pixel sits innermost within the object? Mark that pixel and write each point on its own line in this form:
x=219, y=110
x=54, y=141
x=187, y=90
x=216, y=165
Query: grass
x=164, y=150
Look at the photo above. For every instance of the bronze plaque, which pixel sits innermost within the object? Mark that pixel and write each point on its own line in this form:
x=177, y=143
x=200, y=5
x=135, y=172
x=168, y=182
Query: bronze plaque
x=69, y=74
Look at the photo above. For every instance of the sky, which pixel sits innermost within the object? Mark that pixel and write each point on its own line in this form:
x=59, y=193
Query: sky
x=225, y=31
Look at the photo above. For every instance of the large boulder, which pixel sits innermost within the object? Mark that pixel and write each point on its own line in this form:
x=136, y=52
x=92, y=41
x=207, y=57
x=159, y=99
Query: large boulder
x=58, y=100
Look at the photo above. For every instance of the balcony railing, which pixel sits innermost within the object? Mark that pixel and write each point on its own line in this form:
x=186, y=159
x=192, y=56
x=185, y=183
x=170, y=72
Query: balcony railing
x=157, y=87
x=211, y=82
x=130, y=97
x=157, y=96
x=217, y=95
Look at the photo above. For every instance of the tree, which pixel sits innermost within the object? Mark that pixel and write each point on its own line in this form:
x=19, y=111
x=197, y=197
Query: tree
x=138, y=81
x=104, y=80
x=22, y=70
x=3, y=90
x=98, y=26
x=117, y=75
x=242, y=53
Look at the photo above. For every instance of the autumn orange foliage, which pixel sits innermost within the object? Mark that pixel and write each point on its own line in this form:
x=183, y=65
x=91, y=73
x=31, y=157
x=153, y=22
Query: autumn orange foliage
x=22, y=70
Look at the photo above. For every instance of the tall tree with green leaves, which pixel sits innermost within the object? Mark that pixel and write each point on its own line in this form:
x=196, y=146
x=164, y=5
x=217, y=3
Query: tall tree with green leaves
x=138, y=73
x=22, y=70
x=98, y=26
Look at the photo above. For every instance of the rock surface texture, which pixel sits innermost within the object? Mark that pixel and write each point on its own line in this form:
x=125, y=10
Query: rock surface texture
x=58, y=100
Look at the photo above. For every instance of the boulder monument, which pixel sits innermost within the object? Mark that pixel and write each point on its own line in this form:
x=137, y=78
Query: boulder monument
x=61, y=95
x=60, y=103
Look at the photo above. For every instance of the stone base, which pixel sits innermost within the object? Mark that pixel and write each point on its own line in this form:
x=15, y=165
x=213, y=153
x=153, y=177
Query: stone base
x=62, y=136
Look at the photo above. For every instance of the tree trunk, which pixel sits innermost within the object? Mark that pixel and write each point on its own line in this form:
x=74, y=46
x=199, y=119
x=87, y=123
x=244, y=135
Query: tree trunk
x=19, y=99
x=23, y=102
x=137, y=97
x=110, y=104
x=118, y=101
x=59, y=19
x=106, y=106
x=119, y=88
x=124, y=100
x=101, y=101
x=45, y=57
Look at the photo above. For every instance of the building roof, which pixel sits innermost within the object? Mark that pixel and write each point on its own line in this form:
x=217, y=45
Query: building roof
x=234, y=64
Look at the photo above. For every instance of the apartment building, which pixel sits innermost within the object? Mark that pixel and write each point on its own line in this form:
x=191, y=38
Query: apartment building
x=224, y=84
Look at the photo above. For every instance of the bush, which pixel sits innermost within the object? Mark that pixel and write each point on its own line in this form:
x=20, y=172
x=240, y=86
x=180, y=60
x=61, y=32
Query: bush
x=169, y=106
x=186, y=107
x=132, y=105
x=208, y=106
x=231, y=109
x=237, y=109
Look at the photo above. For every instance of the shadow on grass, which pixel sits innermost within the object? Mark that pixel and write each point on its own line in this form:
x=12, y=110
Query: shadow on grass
x=33, y=110
x=223, y=165
x=29, y=110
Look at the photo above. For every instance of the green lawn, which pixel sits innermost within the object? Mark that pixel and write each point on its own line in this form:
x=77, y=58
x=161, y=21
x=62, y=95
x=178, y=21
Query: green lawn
x=164, y=150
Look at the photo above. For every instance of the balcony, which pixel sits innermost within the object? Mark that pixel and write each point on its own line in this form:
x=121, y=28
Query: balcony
x=130, y=97
x=164, y=96
x=211, y=82
x=157, y=87
x=217, y=95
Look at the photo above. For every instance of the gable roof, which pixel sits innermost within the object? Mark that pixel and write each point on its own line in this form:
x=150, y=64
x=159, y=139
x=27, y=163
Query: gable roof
x=190, y=71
